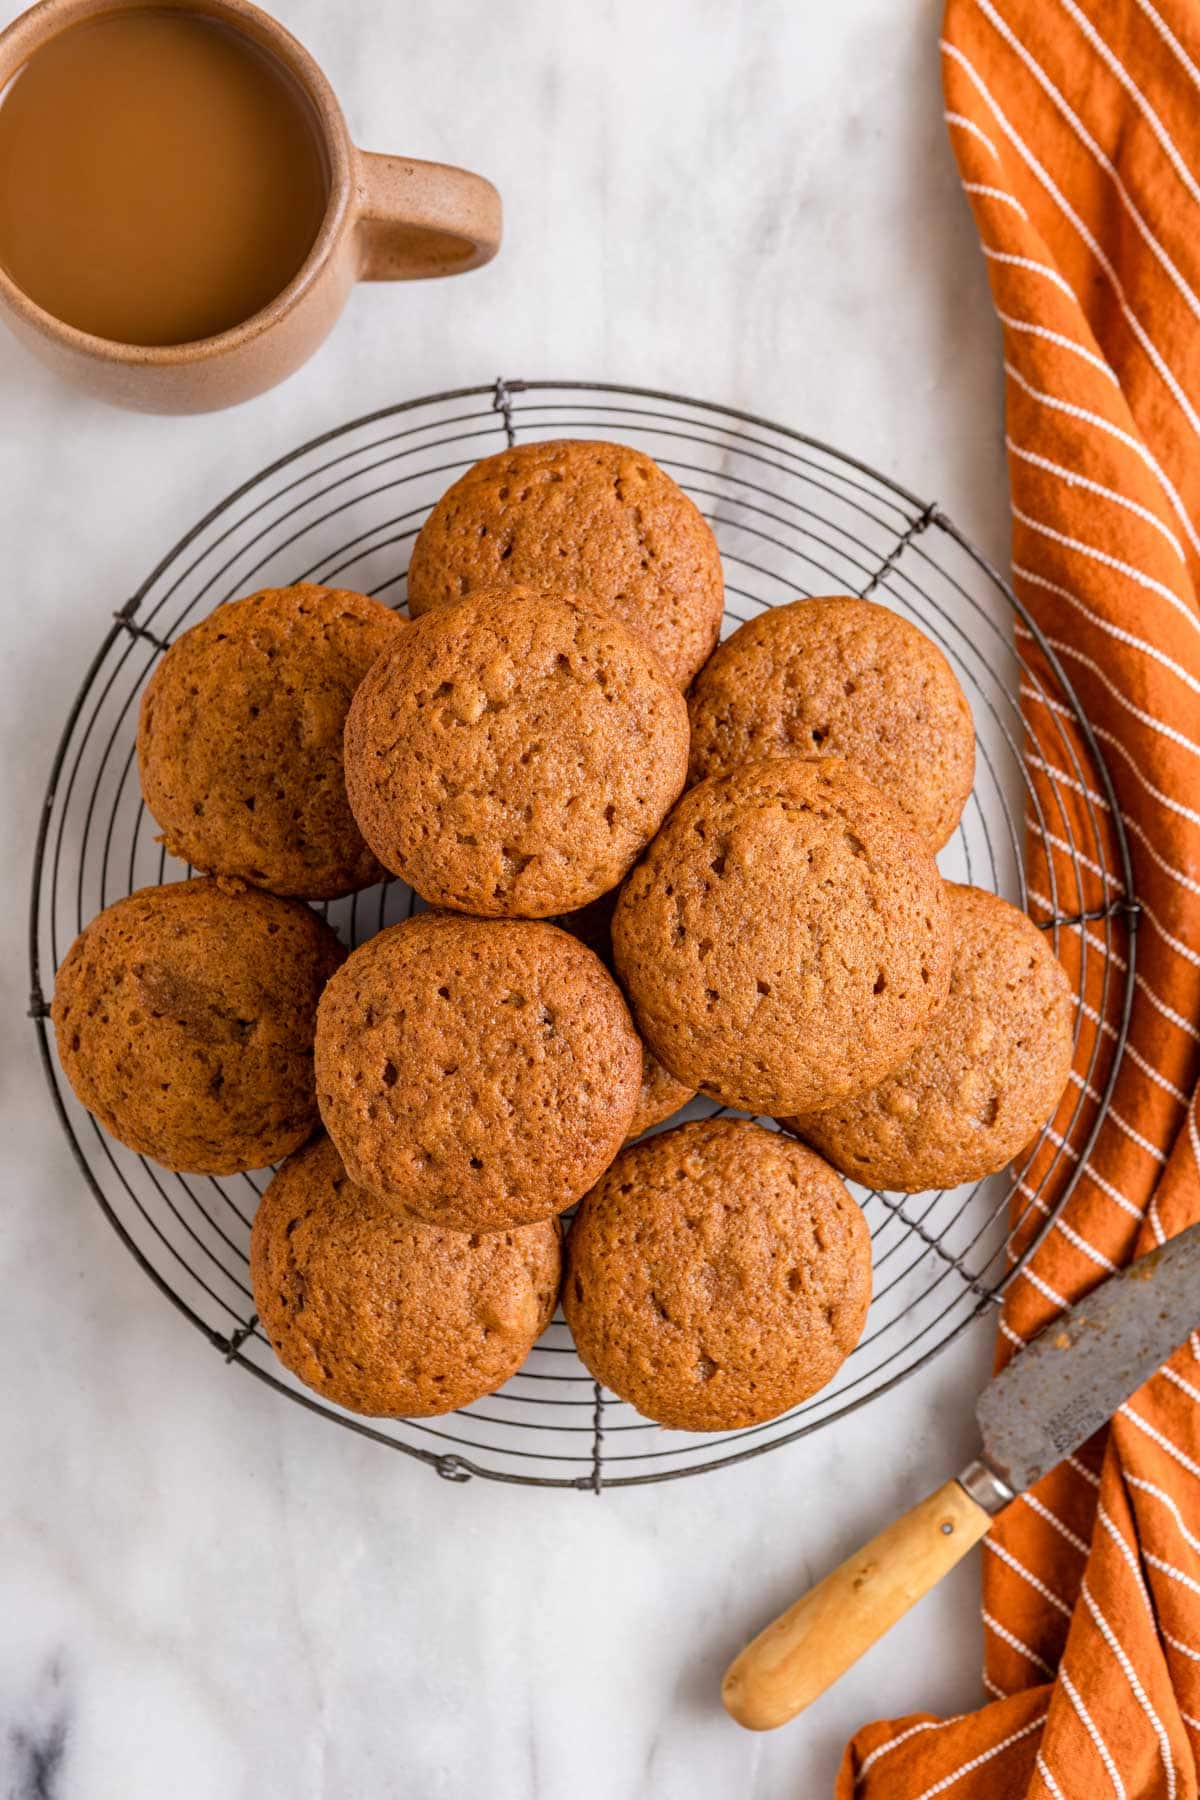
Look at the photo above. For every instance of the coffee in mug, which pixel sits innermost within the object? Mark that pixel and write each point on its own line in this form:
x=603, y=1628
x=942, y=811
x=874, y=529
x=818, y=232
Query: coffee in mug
x=183, y=211
x=161, y=177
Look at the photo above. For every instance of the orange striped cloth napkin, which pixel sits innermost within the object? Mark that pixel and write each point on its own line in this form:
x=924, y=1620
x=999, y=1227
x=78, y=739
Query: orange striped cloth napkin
x=1076, y=124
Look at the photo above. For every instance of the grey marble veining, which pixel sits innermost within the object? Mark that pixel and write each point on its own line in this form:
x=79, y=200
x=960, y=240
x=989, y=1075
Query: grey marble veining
x=206, y=1594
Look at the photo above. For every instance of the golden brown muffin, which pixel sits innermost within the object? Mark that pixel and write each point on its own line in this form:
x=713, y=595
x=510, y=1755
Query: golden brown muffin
x=591, y=518
x=240, y=738
x=786, y=933
x=847, y=678
x=478, y=1073
x=386, y=1316
x=514, y=753
x=660, y=1094
x=184, y=1017
x=713, y=1279
x=990, y=1072
x=659, y=1097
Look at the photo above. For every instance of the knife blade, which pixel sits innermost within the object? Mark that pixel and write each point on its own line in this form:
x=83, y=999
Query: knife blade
x=1052, y=1396
x=1072, y=1378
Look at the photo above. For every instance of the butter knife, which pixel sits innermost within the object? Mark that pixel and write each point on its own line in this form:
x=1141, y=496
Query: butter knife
x=1052, y=1396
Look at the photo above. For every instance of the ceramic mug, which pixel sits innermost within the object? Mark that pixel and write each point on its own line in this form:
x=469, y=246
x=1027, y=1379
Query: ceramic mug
x=387, y=218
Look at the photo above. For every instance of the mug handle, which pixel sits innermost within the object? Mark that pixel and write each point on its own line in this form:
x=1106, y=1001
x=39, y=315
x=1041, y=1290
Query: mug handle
x=418, y=219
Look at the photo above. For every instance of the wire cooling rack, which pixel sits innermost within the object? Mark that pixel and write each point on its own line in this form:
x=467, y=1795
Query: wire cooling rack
x=792, y=517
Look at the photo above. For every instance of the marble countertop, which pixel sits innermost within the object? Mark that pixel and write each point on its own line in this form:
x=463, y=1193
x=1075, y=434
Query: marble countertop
x=205, y=1593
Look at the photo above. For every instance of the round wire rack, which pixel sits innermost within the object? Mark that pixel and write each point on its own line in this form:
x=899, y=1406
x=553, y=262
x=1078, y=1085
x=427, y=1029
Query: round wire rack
x=793, y=517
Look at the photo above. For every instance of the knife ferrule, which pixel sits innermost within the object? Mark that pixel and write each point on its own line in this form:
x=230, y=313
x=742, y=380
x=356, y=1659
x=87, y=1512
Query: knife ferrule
x=985, y=1487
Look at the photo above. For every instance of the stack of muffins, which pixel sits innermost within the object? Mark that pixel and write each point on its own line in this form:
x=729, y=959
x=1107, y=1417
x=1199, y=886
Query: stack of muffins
x=651, y=868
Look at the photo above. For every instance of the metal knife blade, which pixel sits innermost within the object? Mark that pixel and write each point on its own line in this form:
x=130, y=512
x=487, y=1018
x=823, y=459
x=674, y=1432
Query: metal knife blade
x=1073, y=1377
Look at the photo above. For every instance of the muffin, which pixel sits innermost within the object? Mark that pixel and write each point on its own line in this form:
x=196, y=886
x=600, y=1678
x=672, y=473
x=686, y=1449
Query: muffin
x=184, y=1017
x=591, y=518
x=513, y=754
x=847, y=678
x=477, y=1073
x=659, y=1097
x=240, y=739
x=786, y=934
x=660, y=1094
x=386, y=1316
x=714, y=1279
x=988, y=1075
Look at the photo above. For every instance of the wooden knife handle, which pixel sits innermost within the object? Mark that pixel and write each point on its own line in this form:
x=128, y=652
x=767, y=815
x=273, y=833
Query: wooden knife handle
x=808, y=1647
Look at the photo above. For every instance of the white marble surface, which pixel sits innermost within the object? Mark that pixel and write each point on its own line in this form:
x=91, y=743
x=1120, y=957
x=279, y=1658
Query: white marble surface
x=206, y=1594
